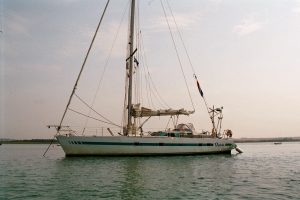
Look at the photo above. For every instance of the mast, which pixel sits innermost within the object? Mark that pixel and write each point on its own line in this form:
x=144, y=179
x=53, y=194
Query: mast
x=131, y=37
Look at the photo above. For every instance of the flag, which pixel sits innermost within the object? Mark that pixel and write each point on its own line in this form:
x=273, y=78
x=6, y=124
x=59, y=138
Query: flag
x=199, y=88
x=136, y=61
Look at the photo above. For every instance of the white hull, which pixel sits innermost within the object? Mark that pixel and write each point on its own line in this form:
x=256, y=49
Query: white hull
x=123, y=145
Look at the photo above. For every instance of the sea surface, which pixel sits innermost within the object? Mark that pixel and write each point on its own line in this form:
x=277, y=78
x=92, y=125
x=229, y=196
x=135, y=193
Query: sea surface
x=263, y=171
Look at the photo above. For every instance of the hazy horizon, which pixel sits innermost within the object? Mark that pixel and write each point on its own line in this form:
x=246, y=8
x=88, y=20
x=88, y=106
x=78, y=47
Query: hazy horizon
x=245, y=54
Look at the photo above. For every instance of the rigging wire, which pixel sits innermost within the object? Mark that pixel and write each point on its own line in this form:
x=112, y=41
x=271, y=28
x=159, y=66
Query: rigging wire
x=180, y=36
x=150, y=95
x=106, y=63
x=177, y=53
x=146, y=85
x=198, y=85
x=139, y=87
x=150, y=85
x=168, y=123
x=152, y=90
x=186, y=52
x=77, y=80
x=139, y=44
x=138, y=74
x=92, y=117
x=94, y=110
x=83, y=64
x=162, y=102
x=149, y=75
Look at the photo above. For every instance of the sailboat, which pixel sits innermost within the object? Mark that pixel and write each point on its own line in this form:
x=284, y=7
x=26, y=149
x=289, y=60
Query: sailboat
x=182, y=139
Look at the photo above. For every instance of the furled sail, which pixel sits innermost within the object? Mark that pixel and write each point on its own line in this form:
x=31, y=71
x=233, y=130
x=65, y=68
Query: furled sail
x=138, y=111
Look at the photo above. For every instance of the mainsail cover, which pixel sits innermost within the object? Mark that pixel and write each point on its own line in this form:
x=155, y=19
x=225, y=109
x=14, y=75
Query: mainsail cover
x=138, y=111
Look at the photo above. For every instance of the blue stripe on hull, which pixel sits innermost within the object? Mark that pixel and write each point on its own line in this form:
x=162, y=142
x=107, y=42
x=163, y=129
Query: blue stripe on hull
x=146, y=144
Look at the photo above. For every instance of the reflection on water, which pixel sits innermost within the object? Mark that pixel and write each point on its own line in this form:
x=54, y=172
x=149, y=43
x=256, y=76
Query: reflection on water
x=263, y=171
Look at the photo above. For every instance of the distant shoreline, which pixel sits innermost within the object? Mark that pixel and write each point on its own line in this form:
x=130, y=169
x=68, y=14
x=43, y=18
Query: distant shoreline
x=236, y=140
x=252, y=140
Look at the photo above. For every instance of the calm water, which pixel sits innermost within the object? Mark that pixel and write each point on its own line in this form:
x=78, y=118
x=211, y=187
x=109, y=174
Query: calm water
x=264, y=171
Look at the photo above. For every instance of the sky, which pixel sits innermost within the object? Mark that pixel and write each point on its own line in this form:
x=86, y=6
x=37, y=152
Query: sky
x=245, y=54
